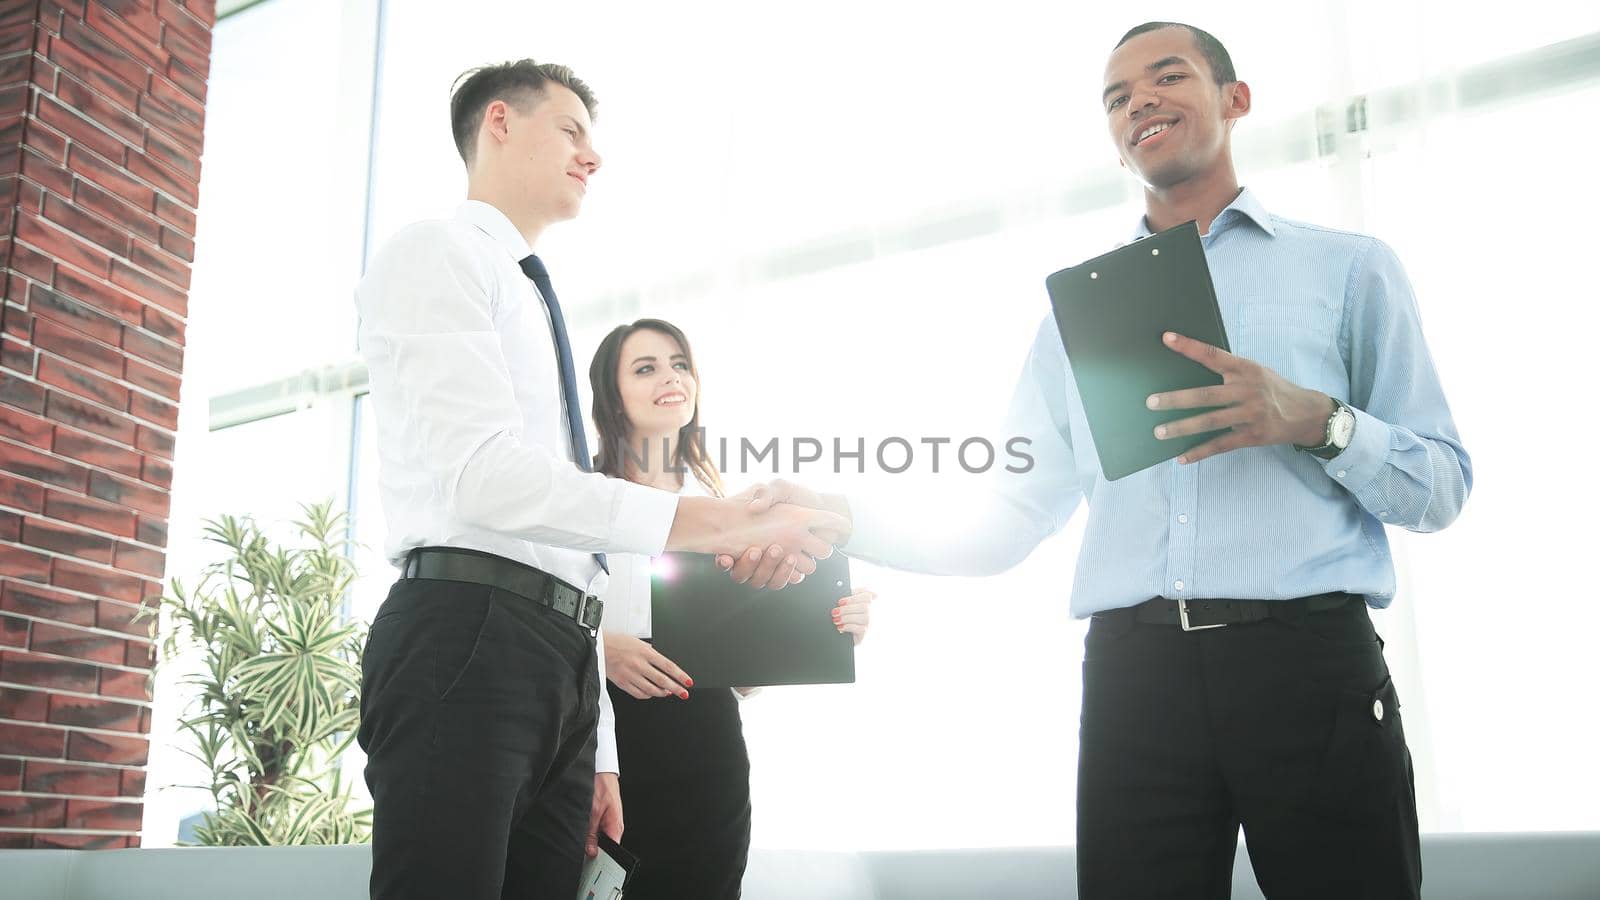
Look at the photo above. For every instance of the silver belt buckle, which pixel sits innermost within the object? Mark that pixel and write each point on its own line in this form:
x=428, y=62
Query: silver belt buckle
x=585, y=601
x=1183, y=618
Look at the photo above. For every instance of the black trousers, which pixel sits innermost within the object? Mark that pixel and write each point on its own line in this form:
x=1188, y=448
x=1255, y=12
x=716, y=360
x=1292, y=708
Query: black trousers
x=478, y=711
x=1289, y=729
x=685, y=794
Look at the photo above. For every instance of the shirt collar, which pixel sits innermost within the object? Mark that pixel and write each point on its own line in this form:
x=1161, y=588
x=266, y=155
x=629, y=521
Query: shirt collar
x=491, y=221
x=1246, y=206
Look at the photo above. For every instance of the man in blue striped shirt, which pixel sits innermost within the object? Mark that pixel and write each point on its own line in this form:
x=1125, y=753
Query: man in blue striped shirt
x=1232, y=676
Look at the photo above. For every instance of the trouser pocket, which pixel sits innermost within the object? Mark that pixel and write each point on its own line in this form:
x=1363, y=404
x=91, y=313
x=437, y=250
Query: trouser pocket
x=1366, y=764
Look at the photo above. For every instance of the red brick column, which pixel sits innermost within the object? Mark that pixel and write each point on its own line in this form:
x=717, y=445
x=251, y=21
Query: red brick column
x=101, y=113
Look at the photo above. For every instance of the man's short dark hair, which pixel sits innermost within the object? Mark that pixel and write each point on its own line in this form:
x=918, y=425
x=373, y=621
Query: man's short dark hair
x=1216, y=55
x=521, y=84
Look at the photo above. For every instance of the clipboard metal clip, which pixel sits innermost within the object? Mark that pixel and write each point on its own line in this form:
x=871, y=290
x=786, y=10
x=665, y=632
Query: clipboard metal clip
x=1183, y=618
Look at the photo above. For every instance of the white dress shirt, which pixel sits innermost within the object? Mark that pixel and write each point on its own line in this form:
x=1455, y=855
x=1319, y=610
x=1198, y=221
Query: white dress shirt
x=473, y=443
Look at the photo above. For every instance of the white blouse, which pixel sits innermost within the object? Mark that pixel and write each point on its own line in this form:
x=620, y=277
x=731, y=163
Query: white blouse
x=627, y=595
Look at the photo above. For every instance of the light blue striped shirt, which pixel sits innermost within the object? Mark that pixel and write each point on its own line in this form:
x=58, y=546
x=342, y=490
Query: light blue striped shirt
x=1326, y=309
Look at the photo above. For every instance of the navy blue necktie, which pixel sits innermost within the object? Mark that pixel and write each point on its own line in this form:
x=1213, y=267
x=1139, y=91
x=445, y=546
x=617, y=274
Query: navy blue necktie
x=533, y=267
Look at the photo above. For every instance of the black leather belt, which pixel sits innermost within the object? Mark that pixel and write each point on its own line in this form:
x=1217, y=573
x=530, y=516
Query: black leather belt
x=1195, y=615
x=477, y=567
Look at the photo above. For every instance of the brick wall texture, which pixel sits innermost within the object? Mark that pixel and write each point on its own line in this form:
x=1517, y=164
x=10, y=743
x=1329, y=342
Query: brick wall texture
x=102, y=108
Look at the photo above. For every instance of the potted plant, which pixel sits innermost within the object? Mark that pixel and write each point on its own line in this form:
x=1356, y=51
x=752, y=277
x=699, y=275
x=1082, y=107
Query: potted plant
x=277, y=679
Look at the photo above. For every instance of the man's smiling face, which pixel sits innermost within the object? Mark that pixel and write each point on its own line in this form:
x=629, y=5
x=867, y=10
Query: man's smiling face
x=1164, y=109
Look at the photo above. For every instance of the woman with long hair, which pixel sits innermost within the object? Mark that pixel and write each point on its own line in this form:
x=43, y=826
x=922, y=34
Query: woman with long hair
x=685, y=774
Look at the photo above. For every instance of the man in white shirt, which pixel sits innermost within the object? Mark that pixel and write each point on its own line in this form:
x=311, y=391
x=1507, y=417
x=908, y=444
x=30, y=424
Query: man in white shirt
x=481, y=684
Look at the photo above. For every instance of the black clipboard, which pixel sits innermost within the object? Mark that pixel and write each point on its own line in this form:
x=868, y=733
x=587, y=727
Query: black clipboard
x=731, y=635
x=1111, y=312
x=606, y=876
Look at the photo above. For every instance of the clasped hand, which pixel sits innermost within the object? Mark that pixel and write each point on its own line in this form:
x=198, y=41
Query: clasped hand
x=772, y=565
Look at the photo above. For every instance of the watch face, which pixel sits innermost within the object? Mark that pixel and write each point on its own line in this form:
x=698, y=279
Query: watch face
x=1344, y=427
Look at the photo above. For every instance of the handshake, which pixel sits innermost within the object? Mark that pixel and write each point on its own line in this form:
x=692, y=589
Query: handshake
x=770, y=535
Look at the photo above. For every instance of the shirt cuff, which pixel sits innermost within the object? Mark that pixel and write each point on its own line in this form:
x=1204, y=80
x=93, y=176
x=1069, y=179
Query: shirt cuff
x=641, y=518
x=1358, y=466
x=605, y=731
x=605, y=751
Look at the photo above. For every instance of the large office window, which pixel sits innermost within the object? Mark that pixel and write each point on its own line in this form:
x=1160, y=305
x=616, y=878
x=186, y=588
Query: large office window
x=282, y=207
x=1490, y=226
x=853, y=222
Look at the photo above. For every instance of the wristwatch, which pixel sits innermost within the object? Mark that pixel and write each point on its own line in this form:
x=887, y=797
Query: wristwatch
x=1341, y=428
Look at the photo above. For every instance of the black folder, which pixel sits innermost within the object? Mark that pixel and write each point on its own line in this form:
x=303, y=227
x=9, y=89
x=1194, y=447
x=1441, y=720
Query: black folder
x=731, y=635
x=1112, y=312
x=606, y=876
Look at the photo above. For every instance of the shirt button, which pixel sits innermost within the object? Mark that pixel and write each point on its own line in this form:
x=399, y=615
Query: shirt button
x=1183, y=518
x=1178, y=585
x=1377, y=710
x=1339, y=474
